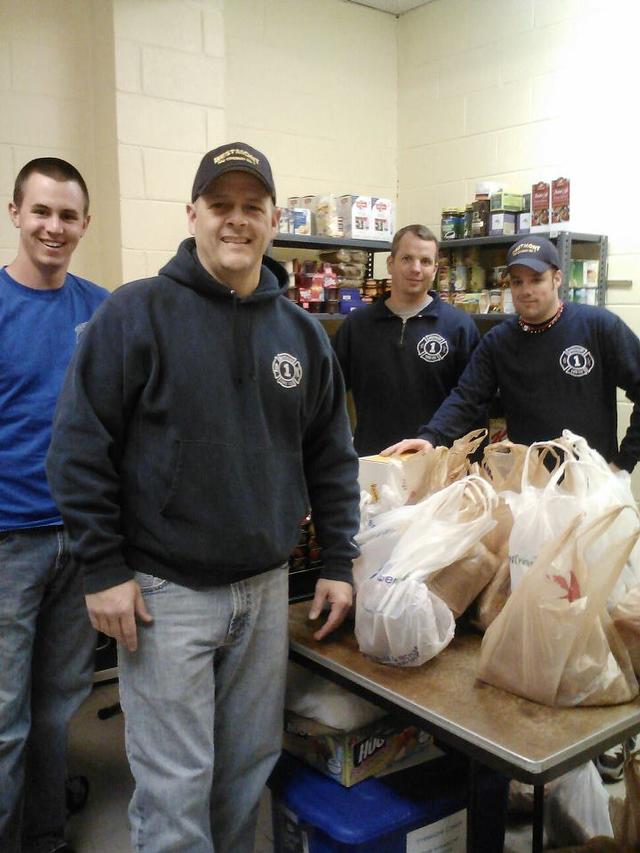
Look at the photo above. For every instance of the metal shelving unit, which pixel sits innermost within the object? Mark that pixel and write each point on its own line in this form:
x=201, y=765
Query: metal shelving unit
x=302, y=241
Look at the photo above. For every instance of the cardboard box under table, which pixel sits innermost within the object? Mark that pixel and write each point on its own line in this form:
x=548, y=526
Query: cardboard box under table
x=349, y=757
x=419, y=810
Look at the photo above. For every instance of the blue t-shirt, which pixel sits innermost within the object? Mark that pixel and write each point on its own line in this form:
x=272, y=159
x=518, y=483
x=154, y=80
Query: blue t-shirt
x=39, y=330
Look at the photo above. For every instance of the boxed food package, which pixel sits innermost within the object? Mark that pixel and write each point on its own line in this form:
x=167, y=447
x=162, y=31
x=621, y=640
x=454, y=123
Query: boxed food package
x=377, y=471
x=480, y=218
x=350, y=757
x=506, y=202
x=300, y=220
x=284, y=223
x=523, y=221
x=560, y=202
x=381, y=219
x=502, y=223
x=328, y=221
x=355, y=211
x=350, y=299
x=540, y=207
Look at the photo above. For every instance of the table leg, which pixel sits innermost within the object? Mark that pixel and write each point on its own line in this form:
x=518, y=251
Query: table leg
x=538, y=819
x=472, y=798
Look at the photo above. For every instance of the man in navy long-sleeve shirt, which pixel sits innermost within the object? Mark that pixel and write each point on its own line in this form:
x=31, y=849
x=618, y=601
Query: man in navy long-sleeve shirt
x=557, y=366
x=402, y=355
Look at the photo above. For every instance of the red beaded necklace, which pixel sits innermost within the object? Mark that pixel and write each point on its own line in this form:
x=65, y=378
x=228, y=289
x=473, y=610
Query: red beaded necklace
x=537, y=328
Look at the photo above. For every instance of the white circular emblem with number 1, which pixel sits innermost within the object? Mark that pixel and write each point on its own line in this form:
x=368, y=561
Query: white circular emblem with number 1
x=287, y=370
x=576, y=361
x=433, y=348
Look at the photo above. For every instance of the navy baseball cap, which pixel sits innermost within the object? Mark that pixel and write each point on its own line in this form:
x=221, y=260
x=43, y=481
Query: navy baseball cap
x=233, y=157
x=535, y=252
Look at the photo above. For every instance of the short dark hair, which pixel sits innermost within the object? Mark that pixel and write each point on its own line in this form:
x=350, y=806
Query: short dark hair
x=420, y=231
x=52, y=167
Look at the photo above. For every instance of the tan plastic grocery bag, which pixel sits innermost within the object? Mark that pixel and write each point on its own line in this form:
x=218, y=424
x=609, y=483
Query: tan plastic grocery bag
x=503, y=464
x=626, y=619
x=625, y=814
x=554, y=642
x=445, y=465
x=398, y=619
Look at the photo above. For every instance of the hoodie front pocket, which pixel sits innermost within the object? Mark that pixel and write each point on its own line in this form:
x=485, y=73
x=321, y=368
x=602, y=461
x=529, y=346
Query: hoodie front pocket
x=233, y=507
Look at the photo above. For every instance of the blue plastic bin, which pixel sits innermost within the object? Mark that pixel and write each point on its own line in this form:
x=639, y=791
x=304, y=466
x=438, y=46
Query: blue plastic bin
x=312, y=813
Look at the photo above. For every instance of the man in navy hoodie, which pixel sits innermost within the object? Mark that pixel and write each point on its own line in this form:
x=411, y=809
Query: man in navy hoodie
x=203, y=417
x=402, y=355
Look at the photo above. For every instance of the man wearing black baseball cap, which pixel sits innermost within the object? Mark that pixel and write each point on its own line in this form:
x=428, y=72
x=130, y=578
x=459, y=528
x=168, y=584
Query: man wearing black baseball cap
x=557, y=366
x=203, y=418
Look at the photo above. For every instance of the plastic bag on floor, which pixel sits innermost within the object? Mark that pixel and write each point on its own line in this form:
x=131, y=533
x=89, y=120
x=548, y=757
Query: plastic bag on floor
x=625, y=814
x=554, y=641
x=398, y=619
x=316, y=698
x=577, y=807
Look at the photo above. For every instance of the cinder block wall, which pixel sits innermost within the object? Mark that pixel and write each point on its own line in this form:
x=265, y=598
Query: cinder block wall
x=516, y=90
x=170, y=95
x=56, y=99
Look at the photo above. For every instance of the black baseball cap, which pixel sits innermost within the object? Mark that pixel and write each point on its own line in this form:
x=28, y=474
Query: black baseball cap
x=535, y=252
x=233, y=157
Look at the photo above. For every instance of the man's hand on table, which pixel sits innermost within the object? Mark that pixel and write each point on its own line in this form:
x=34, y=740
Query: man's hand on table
x=339, y=594
x=113, y=611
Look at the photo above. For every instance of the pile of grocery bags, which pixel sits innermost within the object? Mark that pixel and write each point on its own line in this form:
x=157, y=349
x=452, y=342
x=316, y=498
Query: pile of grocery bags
x=536, y=545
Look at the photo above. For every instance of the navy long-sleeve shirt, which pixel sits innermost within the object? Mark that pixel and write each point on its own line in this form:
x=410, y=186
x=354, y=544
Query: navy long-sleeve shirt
x=563, y=378
x=400, y=371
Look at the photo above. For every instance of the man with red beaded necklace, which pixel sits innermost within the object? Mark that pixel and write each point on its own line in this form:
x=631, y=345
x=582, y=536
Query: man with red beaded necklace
x=555, y=366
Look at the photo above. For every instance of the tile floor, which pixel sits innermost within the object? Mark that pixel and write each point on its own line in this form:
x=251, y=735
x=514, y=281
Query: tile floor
x=97, y=751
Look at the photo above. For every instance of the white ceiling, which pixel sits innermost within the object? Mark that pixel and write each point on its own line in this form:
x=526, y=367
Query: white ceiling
x=394, y=7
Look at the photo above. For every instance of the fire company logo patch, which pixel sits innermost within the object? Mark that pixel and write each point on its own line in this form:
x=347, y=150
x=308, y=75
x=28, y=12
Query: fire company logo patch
x=433, y=348
x=576, y=361
x=287, y=370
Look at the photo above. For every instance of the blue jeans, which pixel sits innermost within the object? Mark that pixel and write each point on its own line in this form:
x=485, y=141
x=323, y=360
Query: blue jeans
x=203, y=700
x=46, y=670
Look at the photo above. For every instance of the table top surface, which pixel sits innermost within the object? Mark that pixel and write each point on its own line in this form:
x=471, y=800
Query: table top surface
x=532, y=739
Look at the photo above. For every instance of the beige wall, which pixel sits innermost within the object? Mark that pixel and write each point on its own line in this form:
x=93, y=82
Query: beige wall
x=314, y=84
x=516, y=90
x=170, y=96
x=53, y=102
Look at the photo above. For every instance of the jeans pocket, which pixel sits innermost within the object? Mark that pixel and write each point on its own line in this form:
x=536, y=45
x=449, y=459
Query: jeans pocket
x=149, y=583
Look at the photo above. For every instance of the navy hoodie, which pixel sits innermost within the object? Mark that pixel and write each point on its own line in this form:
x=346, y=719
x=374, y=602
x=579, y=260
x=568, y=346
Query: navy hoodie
x=195, y=430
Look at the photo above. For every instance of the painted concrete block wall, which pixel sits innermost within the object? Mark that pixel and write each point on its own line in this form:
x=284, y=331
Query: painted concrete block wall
x=52, y=104
x=313, y=84
x=518, y=90
x=170, y=102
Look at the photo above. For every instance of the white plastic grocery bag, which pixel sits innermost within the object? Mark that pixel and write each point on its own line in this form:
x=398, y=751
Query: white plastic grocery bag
x=398, y=619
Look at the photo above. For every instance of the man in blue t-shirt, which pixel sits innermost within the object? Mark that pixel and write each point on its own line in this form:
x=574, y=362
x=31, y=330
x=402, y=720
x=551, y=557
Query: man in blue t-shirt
x=46, y=640
x=401, y=356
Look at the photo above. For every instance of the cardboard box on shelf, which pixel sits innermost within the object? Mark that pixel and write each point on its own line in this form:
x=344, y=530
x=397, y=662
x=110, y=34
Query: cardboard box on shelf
x=540, y=207
x=502, y=202
x=300, y=220
x=561, y=202
x=350, y=757
x=355, y=211
x=502, y=223
x=328, y=219
x=381, y=219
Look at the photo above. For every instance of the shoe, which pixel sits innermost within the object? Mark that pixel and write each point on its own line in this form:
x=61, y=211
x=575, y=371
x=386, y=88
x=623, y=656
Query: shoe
x=610, y=764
